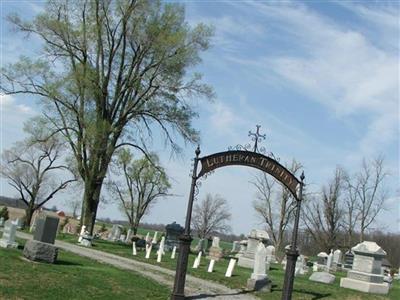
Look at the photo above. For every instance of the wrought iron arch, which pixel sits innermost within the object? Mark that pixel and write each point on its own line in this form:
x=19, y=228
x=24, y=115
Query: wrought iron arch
x=240, y=157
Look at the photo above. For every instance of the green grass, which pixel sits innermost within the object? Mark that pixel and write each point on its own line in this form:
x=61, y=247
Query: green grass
x=72, y=277
x=303, y=287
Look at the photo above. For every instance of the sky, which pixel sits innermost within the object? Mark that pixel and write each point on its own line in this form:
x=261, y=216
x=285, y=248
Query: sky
x=320, y=77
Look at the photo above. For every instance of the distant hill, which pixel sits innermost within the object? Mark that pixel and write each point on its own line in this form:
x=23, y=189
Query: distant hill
x=12, y=202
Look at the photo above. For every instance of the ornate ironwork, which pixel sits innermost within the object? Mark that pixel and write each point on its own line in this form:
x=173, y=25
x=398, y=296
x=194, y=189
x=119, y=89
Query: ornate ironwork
x=256, y=137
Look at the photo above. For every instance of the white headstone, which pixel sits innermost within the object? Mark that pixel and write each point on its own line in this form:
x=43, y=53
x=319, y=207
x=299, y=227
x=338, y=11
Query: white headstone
x=271, y=254
x=173, y=252
x=337, y=256
x=8, y=238
x=211, y=266
x=148, y=251
x=329, y=262
x=365, y=274
x=159, y=255
x=259, y=270
x=147, y=239
x=215, y=242
x=235, y=246
x=162, y=246
x=196, y=263
x=83, y=229
x=154, y=241
x=128, y=236
x=231, y=266
x=134, y=252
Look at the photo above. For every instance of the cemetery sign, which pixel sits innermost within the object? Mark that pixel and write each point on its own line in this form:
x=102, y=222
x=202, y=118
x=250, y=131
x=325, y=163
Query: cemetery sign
x=242, y=156
x=249, y=159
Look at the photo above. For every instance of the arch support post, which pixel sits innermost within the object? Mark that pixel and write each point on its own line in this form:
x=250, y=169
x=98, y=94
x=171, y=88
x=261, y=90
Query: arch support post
x=178, y=292
x=292, y=253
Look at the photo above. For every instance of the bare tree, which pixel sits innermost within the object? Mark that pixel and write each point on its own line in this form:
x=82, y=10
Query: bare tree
x=143, y=183
x=351, y=215
x=211, y=216
x=366, y=192
x=274, y=205
x=31, y=168
x=110, y=73
x=323, y=215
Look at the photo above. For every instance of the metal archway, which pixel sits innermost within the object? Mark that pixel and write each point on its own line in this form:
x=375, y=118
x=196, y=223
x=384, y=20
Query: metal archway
x=249, y=159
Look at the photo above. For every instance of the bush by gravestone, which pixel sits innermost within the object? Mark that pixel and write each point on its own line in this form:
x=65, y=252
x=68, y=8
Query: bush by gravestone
x=4, y=213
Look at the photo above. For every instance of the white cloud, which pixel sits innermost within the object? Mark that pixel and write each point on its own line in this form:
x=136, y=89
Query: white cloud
x=339, y=68
x=9, y=104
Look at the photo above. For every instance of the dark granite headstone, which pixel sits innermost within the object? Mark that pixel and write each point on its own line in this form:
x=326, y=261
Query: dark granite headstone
x=348, y=259
x=173, y=230
x=46, y=229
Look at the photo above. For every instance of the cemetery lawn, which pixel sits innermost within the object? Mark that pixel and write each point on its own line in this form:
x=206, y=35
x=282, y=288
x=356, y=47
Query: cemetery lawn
x=72, y=277
x=303, y=288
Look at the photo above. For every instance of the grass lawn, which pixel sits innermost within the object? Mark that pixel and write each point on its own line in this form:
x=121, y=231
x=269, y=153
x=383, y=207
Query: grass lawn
x=72, y=277
x=303, y=288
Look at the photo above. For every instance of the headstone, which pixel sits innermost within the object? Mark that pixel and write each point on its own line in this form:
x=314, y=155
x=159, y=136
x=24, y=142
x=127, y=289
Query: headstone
x=215, y=252
x=235, y=246
x=348, y=259
x=329, y=261
x=148, y=251
x=159, y=255
x=301, y=266
x=258, y=279
x=365, y=274
x=231, y=266
x=173, y=232
x=154, y=241
x=196, y=262
x=173, y=252
x=147, y=238
x=211, y=266
x=35, y=217
x=134, y=252
x=19, y=222
x=128, y=236
x=323, y=277
x=86, y=239
x=2, y=222
x=122, y=238
x=8, y=238
x=115, y=233
x=162, y=245
x=242, y=250
x=322, y=259
x=255, y=236
x=83, y=230
x=46, y=229
x=271, y=254
x=39, y=251
x=42, y=248
x=337, y=257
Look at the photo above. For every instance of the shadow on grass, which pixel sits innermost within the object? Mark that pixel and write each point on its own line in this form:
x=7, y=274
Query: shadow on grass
x=67, y=263
x=204, y=296
x=315, y=295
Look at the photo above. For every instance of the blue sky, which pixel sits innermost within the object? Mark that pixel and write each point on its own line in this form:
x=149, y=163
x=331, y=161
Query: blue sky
x=321, y=78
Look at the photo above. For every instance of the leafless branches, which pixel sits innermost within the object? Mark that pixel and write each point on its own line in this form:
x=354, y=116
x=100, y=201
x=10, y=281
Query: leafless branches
x=210, y=216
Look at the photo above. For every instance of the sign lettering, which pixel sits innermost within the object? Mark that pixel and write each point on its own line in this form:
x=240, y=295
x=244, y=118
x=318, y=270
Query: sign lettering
x=250, y=159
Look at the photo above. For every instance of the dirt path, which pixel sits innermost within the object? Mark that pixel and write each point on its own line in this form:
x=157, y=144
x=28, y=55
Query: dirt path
x=196, y=288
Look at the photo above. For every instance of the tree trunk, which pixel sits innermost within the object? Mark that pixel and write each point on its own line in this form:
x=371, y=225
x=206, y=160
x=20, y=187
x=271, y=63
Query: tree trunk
x=91, y=201
x=28, y=216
